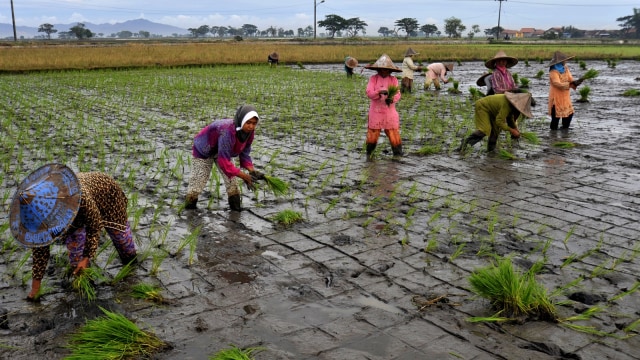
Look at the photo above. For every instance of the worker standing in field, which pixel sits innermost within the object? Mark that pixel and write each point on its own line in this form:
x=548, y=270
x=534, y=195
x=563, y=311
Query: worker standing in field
x=55, y=205
x=218, y=143
x=408, y=69
x=496, y=113
x=350, y=63
x=435, y=73
x=383, y=92
x=560, y=84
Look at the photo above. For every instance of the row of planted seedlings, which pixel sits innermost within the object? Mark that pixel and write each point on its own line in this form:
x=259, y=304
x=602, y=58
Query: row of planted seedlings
x=156, y=158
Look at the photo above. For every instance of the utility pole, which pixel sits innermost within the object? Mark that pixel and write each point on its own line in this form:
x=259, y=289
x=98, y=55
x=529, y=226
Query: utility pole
x=499, y=11
x=13, y=17
x=315, y=6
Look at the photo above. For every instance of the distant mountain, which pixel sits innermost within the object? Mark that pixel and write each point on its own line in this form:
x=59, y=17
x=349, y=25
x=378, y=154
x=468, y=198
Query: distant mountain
x=6, y=30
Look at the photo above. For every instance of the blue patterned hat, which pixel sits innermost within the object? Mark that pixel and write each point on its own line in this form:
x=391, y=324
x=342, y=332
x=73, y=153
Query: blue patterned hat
x=44, y=205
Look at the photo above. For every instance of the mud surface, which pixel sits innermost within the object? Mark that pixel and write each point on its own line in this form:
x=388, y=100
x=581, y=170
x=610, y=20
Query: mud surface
x=353, y=281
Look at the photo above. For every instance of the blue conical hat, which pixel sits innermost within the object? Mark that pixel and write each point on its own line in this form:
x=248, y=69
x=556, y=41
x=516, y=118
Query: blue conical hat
x=44, y=205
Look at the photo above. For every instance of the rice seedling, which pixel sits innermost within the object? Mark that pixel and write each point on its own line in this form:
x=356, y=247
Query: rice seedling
x=524, y=82
x=539, y=74
x=631, y=92
x=235, y=353
x=277, y=186
x=630, y=291
x=506, y=155
x=526, y=63
x=84, y=282
x=429, y=149
x=531, y=137
x=476, y=93
x=124, y=271
x=157, y=257
x=590, y=74
x=512, y=293
x=459, y=250
x=288, y=217
x=113, y=336
x=583, y=65
x=147, y=292
x=455, y=89
x=564, y=144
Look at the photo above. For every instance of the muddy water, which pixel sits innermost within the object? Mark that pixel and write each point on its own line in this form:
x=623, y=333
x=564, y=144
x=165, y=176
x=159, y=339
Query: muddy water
x=358, y=280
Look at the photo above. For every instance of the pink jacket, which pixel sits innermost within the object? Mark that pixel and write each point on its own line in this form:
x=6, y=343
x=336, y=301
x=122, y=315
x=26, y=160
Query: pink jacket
x=382, y=116
x=437, y=70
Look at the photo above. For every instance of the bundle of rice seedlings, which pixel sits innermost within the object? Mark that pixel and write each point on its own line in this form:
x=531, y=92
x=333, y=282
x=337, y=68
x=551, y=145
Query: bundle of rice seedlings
x=277, y=186
x=584, y=94
x=539, y=74
x=288, y=217
x=590, y=74
x=147, y=292
x=515, y=295
x=112, y=337
x=429, y=149
x=504, y=154
x=235, y=353
x=564, y=144
x=83, y=282
x=455, y=89
x=631, y=92
x=392, y=90
x=475, y=93
x=530, y=137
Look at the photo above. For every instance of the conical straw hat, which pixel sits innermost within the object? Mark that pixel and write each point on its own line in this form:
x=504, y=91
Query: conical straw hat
x=45, y=205
x=480, y=81
x=351, y=62
x=521, y=101
x=384, y=62
x=410, y=52
x=491, y=63
x=559, y=57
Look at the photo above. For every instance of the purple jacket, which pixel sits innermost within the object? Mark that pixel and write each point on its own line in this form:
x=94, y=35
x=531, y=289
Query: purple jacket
x=219, y=139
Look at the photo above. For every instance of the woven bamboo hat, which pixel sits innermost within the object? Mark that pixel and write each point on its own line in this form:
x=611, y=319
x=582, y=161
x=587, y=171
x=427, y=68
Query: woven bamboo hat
x=384, y=62
x=501, y=55
x=559, y=57
x=274, y=55
x=449, y=66
x=410, y=52
x=521, y=101
x=351, y=62
x=45, y=205
x=480, y=81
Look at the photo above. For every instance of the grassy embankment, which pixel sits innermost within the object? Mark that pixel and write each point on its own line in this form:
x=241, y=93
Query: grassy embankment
x=59, y=56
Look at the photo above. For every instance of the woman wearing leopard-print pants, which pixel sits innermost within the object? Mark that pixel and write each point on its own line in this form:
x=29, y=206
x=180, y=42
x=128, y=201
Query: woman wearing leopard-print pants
x=103, y=205
x=218, y=143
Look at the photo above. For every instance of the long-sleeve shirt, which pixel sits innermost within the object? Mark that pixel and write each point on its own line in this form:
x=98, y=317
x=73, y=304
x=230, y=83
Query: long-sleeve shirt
x=560, y=92
x=382, y=116
x=219, y=139
x=103, y=203
x=408, y=67
x=493, y=113
x=437, y=70
x=502, y=82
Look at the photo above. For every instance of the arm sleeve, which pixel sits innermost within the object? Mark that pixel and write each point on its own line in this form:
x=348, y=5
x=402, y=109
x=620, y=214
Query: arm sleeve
x=411, y=65
x=245, y=156
x=372, y=91
x=225, y=148
x=501, y=117
x=443, y=72
x=554, y=79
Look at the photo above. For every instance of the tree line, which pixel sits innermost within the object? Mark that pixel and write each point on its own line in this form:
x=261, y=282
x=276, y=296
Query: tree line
x=335, y=25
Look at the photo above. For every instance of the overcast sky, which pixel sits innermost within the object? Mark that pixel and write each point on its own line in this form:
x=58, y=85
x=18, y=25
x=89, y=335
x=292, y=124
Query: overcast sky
x=293, y=14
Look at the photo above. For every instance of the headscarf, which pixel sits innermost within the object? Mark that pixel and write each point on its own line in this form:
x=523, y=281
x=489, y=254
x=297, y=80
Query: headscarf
x=244, y=114
x=558, y=67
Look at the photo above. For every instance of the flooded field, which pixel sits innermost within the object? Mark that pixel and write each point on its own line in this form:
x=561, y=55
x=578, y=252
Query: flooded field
x=380, y=266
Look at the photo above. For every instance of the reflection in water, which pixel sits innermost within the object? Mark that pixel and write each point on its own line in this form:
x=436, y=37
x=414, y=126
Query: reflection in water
x=383, y=175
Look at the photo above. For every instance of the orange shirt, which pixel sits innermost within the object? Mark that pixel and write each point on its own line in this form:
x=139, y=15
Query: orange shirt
x=559, y=92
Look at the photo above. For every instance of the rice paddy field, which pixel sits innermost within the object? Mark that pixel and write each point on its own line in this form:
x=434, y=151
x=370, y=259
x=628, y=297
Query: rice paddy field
x=379, y=265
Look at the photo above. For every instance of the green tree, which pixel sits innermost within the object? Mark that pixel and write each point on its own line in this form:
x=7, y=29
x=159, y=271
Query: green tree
x=125, y=34
x=474, y=30
x=494, y=31
x=428, y=29
x=453, y=27
x=384, y=31
x=249, y=29
x=80, y=32
x=47, y=29
x=144, y=34
x=333, y=23
x=354, y=25
x=630, y=22
x=409, y=25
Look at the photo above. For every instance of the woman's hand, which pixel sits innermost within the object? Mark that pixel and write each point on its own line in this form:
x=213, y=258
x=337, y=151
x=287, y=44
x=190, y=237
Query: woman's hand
x=514, y=132
x=82, y=264
x=247, y=180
